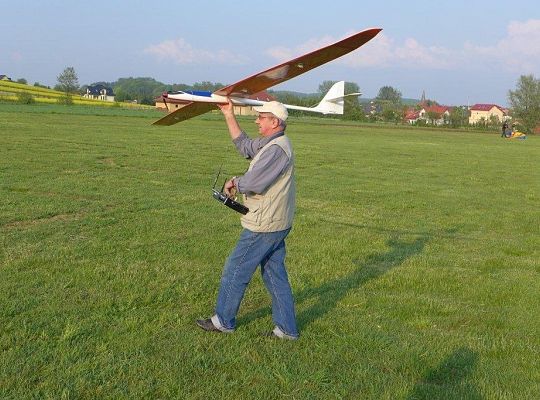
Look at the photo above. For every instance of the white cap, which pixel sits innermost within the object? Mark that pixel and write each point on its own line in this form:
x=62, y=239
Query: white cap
x=274, y=107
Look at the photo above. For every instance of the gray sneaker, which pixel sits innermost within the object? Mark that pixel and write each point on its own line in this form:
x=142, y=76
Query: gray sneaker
x=207, y=325
x=279, y=334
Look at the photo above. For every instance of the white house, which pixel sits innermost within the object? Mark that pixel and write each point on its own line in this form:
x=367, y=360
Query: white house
x=99, y=92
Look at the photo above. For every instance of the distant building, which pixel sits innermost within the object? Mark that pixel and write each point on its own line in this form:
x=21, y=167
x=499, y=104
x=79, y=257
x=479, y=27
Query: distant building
x=99, y=92
x=5, y=78
x=434, y=114
x=484, y=112
x=437, y=115
x=412, y=115
x=173, y=105
x=372, y=108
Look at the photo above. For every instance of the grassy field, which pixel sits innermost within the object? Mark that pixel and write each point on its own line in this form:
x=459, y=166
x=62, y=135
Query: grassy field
x=414, y=260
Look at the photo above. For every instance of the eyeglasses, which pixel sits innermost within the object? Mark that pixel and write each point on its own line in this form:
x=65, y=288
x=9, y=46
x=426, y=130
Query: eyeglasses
x=264, y=116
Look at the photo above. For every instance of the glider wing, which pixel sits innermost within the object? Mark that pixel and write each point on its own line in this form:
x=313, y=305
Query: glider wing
x=283, y=72
x=188, y=111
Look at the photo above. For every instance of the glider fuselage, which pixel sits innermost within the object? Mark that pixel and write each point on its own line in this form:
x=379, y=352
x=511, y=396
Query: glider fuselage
x=200, y=96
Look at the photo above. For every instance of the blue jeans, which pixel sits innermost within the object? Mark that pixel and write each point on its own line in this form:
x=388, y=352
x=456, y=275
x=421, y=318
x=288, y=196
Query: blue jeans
x=266, y=249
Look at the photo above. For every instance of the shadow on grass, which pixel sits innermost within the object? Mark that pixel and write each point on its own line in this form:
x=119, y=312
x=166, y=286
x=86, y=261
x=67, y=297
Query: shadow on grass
x=330, y=293
x=449, y=233
x=450, y=379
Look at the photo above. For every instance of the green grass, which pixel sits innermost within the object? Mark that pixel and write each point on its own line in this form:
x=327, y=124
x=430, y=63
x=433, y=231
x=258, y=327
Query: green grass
x=414, y=259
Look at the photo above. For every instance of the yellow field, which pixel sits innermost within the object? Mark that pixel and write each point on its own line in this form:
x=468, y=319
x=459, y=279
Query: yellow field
x=9, y=91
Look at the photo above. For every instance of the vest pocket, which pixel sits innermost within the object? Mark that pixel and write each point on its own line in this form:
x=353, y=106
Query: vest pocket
x=254, y=214
x=274, y=209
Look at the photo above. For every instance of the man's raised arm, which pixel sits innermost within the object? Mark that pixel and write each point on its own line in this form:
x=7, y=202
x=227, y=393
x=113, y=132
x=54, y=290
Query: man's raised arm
x=230, y=119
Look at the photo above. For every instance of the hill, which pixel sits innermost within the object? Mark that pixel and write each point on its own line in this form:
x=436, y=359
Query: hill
x=19, y=92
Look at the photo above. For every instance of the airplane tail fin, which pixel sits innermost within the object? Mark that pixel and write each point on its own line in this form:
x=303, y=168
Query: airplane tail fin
x=333, y=100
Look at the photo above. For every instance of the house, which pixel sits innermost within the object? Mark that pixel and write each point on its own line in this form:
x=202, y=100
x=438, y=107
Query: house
x=485, y=112
x=434, y=114
x=5, y=78
x=172, y=104
x=372, y=108
x=412, y=116
x=99, y=92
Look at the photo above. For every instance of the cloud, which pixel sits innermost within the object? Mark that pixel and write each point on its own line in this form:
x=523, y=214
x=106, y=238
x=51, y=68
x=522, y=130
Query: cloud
x=283, y=54
x=518, y=51
x=384, y=51
x=380, y=51
x=180, y=52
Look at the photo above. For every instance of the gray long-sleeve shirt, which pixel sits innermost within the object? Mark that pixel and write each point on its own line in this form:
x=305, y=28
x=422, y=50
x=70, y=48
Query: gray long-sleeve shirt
x=269, y=166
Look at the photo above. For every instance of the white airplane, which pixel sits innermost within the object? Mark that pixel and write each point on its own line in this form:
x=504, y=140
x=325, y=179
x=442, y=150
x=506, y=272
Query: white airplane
x=332, y=102
x=200, y=102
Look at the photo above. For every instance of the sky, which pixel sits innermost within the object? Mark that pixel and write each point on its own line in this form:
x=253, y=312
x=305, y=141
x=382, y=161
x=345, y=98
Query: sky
x=457, y=52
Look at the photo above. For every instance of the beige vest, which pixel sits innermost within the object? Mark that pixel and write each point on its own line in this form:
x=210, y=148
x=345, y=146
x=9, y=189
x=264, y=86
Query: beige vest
x=272, y=210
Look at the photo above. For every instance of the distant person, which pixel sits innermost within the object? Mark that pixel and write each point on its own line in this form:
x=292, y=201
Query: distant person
x=268, y=188
x=504, y=128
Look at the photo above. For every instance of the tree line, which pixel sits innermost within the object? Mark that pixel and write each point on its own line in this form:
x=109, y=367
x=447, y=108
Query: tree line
x=386, y=106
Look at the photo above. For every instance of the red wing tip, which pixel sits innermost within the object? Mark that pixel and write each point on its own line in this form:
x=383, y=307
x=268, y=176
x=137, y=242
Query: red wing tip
x=374, y=30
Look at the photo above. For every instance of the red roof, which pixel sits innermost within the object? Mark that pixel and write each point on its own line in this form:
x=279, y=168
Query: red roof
x=485, y=107
x=412, y=115
x=263, y=96
x=436, y=109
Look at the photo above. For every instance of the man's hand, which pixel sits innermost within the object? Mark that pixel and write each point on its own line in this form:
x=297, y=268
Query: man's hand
x=229, y=189
x=227, y=109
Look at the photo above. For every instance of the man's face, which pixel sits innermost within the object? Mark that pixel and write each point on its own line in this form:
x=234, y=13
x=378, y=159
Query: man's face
x=268, y=124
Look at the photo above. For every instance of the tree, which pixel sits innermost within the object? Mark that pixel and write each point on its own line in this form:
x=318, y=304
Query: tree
x=22, y=80
x=494, y=121
x=430, y=103
x=433, y=117
x=25, y=98
x=144, y=90
x=68, y=81
x=459, y=116
x=390, y=113
x=207, y=86
x=389, y=100
x=525, y=102
x=388, y=93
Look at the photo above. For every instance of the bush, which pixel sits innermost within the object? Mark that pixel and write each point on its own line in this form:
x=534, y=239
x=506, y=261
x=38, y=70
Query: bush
x=65, y=100
x=25, y=98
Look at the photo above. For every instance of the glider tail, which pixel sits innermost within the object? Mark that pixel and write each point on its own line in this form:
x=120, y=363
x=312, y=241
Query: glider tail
x=332, y=102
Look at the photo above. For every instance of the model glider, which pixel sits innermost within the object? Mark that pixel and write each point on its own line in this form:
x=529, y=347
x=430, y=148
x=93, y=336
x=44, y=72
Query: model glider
x=198, y=102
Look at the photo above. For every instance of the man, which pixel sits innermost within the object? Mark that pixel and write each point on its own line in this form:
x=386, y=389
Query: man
x=504, y=129
x=268, y=188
